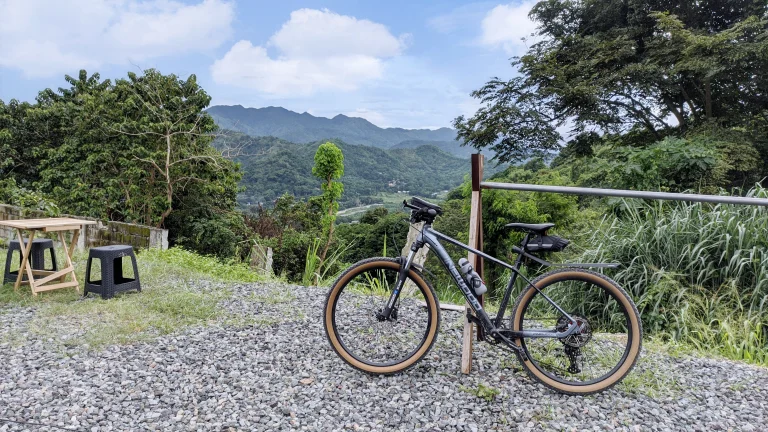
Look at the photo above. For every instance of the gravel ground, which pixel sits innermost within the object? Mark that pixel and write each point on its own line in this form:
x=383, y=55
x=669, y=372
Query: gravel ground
x=279, y=373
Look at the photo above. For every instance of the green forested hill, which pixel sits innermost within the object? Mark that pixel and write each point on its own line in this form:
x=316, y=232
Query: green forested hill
x=304, y=128
x=446, y=146
x=272, y=167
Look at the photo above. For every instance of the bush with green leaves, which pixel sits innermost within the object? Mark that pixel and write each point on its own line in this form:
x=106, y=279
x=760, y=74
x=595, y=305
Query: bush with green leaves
x=289, y=228
x=136, y=150
x=378, y=231
x=703, y=162
x=25, y=198
x=501, y=207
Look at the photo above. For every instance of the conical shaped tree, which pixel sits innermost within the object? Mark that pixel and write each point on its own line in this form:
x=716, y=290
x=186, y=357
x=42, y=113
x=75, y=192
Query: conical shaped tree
x=329, y=166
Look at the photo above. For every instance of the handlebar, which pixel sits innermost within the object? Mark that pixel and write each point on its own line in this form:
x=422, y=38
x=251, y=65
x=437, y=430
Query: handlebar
x=410, y=206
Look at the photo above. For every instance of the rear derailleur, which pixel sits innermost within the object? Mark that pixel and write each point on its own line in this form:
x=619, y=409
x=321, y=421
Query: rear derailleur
x=573, y=343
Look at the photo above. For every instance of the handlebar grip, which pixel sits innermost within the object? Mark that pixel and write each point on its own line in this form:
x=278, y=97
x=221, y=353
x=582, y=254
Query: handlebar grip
x=412, y=207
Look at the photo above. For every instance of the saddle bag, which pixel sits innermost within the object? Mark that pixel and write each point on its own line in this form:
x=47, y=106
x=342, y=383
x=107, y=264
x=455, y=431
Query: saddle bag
x=547, y=243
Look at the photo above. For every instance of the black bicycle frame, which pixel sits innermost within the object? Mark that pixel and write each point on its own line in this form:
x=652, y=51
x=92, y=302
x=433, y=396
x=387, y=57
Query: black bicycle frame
x=429, y=236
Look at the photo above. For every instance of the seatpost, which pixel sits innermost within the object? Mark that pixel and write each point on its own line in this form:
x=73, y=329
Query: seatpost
x=511, y=283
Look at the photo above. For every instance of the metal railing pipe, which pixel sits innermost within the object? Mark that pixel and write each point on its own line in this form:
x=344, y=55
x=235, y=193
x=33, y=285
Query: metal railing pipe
x=717, y=199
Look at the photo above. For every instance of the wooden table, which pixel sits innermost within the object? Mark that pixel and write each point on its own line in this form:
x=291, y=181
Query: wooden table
x=58, y=225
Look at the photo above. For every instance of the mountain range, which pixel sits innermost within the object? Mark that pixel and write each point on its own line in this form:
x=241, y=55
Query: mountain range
x=305, y=128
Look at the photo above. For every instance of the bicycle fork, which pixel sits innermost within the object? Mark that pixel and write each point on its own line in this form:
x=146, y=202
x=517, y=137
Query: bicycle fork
x=389, y=311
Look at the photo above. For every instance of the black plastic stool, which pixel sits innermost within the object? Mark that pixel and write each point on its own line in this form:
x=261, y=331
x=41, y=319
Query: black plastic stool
x=112, y=279
x=36, y=258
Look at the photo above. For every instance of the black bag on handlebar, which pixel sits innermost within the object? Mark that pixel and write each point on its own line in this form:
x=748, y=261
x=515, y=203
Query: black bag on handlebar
x=547, y=243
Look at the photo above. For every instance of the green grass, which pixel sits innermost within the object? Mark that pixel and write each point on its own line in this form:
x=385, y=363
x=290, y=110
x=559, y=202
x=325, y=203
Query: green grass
x=482, y=391
x=181, y=261
x=165, y=305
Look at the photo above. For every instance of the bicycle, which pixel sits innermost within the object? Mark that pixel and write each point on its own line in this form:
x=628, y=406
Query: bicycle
x=574, y=330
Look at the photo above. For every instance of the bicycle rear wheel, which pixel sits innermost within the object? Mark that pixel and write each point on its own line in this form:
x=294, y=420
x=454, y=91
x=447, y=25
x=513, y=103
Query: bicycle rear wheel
x=602, y=351
x=364, y=339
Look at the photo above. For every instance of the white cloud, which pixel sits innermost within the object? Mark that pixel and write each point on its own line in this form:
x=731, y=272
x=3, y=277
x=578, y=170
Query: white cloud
x=318, y=50
x=47, y=38
x=460, y=18
x=505, y=25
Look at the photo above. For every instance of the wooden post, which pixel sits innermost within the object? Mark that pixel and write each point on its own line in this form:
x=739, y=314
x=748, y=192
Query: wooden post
x=261, y=259
x=475, y=241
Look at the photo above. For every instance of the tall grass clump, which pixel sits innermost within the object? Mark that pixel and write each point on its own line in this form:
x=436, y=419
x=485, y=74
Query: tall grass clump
x=316, y=274
x=698, y=272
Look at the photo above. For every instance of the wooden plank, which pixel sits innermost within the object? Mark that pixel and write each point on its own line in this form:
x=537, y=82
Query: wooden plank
x=466, y=348
x=476, y=170
x=475, y=241
x=72, y=244
x=68, y=256
x=445, y=306
x=60, y=228
x=38, y=289
x=466, y=342
x=57, y=275
x=25, y=259
x=32, y=224
x=478, y=264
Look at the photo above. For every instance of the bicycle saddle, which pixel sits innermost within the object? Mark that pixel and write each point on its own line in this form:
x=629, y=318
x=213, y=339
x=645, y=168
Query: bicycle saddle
x=531, y=228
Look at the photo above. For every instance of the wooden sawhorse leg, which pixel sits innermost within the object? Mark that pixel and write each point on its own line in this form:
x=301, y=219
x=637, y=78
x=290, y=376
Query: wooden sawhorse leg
x=68, y=255
x=25, y=251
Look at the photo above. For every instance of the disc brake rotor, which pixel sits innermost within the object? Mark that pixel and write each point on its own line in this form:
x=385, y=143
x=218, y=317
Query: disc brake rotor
x=580, y=337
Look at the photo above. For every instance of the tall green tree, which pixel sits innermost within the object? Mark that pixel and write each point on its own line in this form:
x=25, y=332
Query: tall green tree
x=167, y=115
x=612, y=66
x=329, y=166
x=137, y=150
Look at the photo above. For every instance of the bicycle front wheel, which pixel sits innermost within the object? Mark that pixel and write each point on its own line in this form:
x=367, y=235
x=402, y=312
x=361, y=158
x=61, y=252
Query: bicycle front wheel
x=361, y=336
x=606, y=344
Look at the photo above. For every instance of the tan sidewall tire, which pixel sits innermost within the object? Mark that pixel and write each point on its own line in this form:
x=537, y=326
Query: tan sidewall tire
x=432, y=305
x=619, y=294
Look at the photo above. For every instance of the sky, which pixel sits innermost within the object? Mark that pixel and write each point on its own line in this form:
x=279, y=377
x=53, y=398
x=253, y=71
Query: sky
x=409, y=64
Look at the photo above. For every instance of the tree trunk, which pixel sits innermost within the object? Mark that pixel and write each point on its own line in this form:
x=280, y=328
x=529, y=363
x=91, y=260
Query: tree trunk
x=325, y=248
x=168, y=184
x=330, y=237
x=708, y=98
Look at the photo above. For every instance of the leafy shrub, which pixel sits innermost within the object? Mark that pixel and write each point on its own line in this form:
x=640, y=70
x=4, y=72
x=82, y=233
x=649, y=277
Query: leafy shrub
x=15, y=195
x=219, y=235
x=701, y=161
x=378, y=230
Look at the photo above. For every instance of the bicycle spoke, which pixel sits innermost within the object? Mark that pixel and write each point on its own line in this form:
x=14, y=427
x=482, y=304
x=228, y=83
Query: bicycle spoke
x=365, y=335
x=594, y=350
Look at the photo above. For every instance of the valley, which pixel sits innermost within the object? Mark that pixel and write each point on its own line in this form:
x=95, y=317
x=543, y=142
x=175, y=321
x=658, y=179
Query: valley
x=272, y=167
